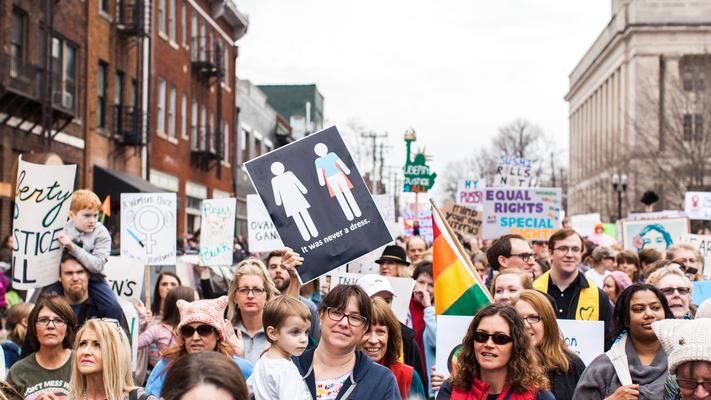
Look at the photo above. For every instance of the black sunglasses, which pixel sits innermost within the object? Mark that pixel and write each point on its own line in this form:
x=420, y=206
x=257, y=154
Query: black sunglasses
x=497, y=338
x=188, y=331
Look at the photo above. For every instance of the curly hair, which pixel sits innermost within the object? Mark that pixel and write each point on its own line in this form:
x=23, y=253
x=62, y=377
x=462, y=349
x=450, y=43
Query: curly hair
x=524, y=372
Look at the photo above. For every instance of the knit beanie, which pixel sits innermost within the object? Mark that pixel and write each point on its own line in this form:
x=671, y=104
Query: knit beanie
x=684, y=340
x=622, y=280
x=209, y=312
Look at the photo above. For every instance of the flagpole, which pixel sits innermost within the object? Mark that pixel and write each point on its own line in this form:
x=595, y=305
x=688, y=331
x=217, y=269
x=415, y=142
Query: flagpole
x=461, y=250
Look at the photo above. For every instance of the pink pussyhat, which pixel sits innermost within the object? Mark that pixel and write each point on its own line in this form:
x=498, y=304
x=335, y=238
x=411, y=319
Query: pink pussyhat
x=209, y=312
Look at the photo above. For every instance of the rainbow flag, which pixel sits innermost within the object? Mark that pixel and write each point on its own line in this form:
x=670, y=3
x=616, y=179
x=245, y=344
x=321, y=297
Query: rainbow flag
x=458, y=288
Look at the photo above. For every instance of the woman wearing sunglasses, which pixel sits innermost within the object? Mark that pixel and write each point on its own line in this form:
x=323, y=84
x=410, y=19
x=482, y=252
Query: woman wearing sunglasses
x=201, y=328
x=670, y=279
x=563, y=367
x=47, y=366
x=102, y=367
x=635, y=368
x=496, y=361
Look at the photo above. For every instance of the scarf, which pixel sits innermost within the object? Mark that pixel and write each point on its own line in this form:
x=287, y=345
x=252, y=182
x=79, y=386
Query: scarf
x=417, y=315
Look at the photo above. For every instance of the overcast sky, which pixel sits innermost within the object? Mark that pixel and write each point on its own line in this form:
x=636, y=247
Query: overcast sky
x=455, y=70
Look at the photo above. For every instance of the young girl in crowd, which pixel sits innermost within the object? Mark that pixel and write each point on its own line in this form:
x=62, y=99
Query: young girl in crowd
x=286, y=321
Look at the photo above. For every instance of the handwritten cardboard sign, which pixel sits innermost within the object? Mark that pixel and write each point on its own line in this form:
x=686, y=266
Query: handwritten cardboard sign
x=534, y=213
x=125, y=276
x=42, y=202
x=318, y=202
x=697, y=205
x=148, y=227
x=261, y=233
x=401, y=286
x=471, y=192
x=514, y=172
x=464, y=220
x=586, y=338
x=217, y=231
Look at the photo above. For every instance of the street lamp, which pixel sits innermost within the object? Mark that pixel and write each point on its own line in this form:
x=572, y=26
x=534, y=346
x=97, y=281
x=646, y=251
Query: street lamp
x=619, y=185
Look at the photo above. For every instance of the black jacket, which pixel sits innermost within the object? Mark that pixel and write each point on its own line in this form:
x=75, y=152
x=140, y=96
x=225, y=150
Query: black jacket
x=368, y=380
x=563, y=385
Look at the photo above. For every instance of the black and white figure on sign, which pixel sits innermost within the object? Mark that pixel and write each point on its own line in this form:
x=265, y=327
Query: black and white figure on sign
x=332, y=171
x=289, y=192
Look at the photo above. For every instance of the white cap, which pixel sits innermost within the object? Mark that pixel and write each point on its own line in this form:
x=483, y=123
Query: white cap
x=684, y=340
x=374, y=283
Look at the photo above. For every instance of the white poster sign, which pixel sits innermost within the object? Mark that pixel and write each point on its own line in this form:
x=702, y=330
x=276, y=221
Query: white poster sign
x=129, y=311
x=703, y=244
x=401, y=286
x=584, y=224
x=450, y=332
x=471, y=192
x=366, y=264
x=261, y=233
x=386, y=205
x=534, y=213
x=217, y=231
x=586, y=338
x=148, y=227
x=125, y=276
x=697, y=205
x=42, y=200
x=514, y=172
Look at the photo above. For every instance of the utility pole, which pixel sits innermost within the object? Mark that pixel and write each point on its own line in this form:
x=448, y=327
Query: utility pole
x=374, y=137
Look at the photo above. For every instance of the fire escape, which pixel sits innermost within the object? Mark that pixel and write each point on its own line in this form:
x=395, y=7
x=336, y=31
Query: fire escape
x=207, y=67
x=129, y=125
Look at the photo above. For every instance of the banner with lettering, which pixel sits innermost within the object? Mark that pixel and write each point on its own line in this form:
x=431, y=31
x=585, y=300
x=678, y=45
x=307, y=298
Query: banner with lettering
x=261, y=233
x=125, y=277
x=42, y=200
x=465, y=221
x=514, y=172
x=697, y=205
x=534, y=213
x=148, y=227
x=217, y=231
x=586, y=338
x=471, y=192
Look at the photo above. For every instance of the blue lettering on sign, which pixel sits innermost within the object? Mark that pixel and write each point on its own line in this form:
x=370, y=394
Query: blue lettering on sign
x=571, y=342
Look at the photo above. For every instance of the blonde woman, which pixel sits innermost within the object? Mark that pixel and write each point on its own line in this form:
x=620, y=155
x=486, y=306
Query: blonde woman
x=676, y=287
x=509, y=283
x=102, y=367
x=249, y=291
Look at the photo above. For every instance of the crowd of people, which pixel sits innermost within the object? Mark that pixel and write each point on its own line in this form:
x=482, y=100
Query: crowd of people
x=265, y=336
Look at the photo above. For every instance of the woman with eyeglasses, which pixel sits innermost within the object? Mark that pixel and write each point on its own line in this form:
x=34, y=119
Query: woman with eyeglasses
x=201, y=328
x=46, y=368
x=249, y=291
x=635, y=367
x=335, y=369
x=102, y=366
x=670, y=279
x=562, y=366
x=496, y=360
x=509, y=283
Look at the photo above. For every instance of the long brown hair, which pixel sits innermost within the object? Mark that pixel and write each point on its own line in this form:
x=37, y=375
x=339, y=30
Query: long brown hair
x=552, y=350
x=15, y=315
x=171, y=314
x=204, y=368
x=58, y=305
x=523, y=373
x=383, y=315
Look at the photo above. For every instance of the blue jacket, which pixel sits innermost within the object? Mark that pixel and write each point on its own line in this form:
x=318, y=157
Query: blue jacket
x=368, y=380
x=155, y=381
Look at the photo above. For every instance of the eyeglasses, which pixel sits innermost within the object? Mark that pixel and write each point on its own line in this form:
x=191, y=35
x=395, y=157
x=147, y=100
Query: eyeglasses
x=691, y=384
x=566, y=249
x=523, y=256
x=338, y=315
x=533, y=319
x=497, y=338
x=188, y=331
x=112, y=321
x=668, y=291
x=56, y=321
x=244, y=291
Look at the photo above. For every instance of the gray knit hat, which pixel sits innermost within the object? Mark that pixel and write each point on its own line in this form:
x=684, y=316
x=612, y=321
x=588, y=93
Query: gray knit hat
x=684, y=340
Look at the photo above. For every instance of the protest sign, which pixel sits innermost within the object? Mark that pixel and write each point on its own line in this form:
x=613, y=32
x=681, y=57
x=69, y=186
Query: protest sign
x=697, y=205
x=148, y=227
x=422, y=218
x=657, y=234
x=464, y=220
x=386, y=205
x=217, y=231
x=450, y=332
x=514, y=172
x=42, y=199
x=366, y=264
x=125, y=276
x=584, y=224
x=401, y=286
x=471, y=192
x=261, y=233
x=318, y=202
x=129, y=311
x=703, y=245
x=533, y=213
x=701, y=292
x=586, y=338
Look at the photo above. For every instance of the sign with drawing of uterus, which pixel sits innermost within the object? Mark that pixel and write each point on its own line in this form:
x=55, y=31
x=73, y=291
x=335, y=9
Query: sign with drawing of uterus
x=318, y=202
x=148, y=227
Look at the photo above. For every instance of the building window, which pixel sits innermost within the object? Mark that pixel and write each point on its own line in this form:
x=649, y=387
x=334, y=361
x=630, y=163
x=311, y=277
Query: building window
x=201, y=42
x=257, y=147
x=171, y=20
x=184, y=117
x=101, y=84
x=18, y=40
x=183, y=24
x=171, y=112
x=226, y=143
x=64, y=73
x=194, y=125
x=203, y=128
x=244, y=145
x=212, y=132
x=104, y=6
x=161, y=106
x=692, y=76
x=693, y=127
x=161, y=16
x=134, y=93
x=226, y=63
x=118, y=90
x=194, y=35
